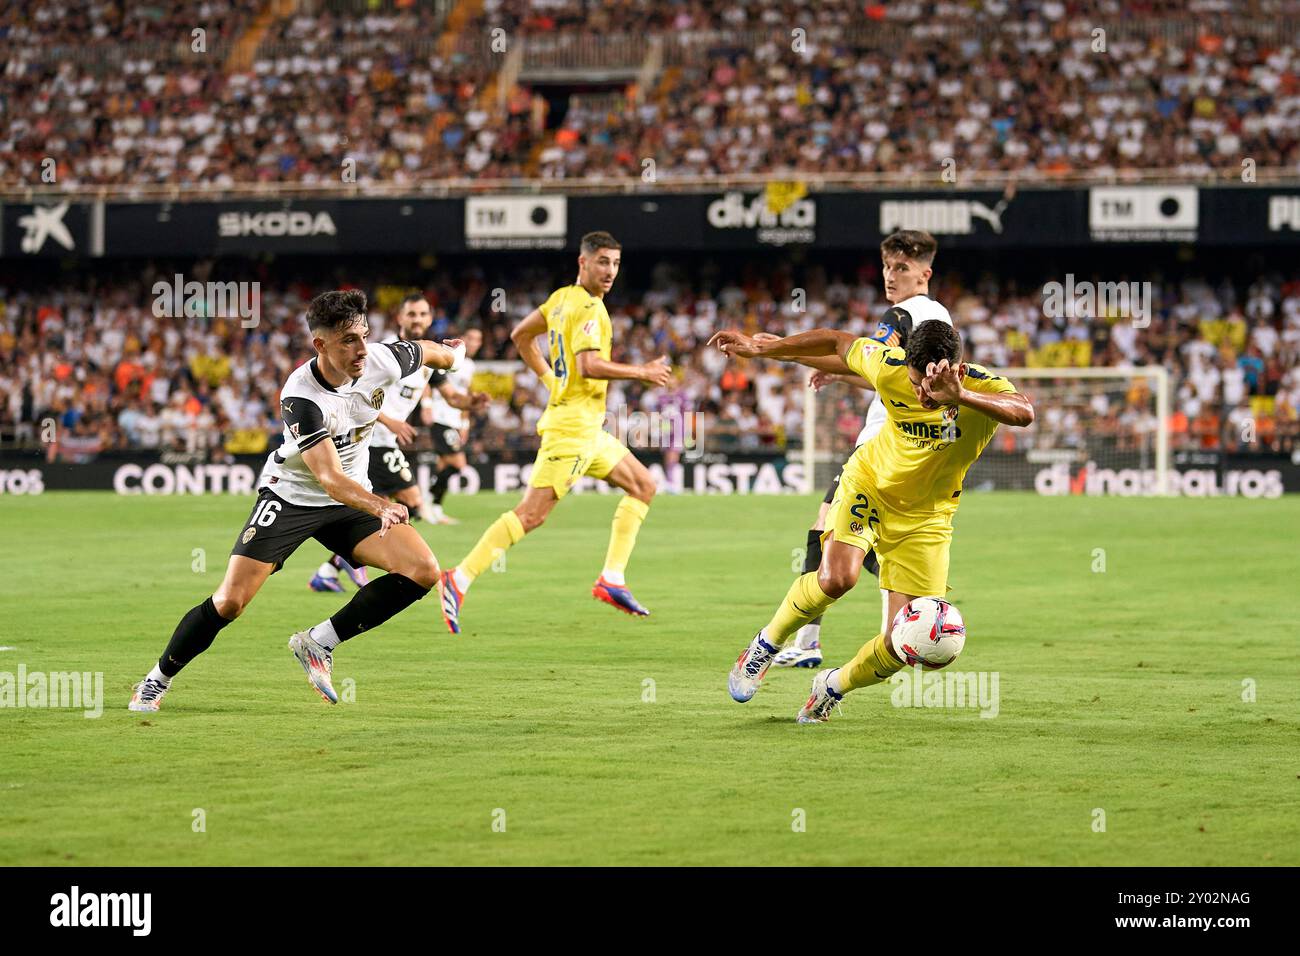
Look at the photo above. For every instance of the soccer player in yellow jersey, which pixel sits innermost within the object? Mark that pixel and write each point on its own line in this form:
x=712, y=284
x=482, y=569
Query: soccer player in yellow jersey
x=897, y=493
x=574, y=442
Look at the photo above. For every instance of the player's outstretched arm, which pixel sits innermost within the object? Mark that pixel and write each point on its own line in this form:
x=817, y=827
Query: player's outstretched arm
x=323, y=460
x=524, y=335
x=829, y=365
x=444, y=356
x=943, y=385
x=820, y=379
x=591, y=365
x=824, y=343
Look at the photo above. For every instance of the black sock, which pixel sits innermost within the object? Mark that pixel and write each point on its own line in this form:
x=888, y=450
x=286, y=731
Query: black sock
x=812, y=559
x=375, y=603
x=193, y=635
x=441, y=481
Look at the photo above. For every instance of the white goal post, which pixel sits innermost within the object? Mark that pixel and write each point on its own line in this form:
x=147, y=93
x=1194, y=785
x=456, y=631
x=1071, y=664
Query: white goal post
x=1084, y=415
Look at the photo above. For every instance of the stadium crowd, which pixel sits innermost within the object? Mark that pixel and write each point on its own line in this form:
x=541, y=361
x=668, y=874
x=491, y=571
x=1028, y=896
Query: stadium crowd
x=90, y=369
x=377, y=99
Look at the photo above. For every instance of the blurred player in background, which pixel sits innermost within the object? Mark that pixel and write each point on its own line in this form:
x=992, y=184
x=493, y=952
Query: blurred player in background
x=574, y=442
x=390, y=473
x=907, y=261
x=451, y=428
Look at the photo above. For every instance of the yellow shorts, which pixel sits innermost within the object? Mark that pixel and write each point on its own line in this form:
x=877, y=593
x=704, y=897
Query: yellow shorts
x=912, y=549
x=562, y=460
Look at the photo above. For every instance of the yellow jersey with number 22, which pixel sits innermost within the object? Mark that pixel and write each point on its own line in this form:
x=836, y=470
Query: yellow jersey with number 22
x=918, y=460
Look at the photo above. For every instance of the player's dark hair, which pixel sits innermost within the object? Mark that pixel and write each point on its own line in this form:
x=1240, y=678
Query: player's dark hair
x=912, y=243
x=930, y=342
x=410, y=297
x=597, y=240
x=334, y=310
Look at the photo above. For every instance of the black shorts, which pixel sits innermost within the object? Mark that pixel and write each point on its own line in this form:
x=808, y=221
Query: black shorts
x=830, y=492
x=446, y=440
x=389, y=471
x=276, y=528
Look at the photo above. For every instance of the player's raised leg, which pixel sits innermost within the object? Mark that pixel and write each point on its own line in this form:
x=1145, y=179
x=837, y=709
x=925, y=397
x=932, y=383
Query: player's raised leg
x=635, y=479
x=200, y=627
x=913, y=566
x=508, y=530
x=412, y=573
x=875, y=662
x=809, y=596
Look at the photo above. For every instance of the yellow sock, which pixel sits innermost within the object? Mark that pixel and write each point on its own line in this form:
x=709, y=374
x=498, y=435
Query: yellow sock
x=499, y=536
x=622, y=534
x=804, y=601
x=873, y=664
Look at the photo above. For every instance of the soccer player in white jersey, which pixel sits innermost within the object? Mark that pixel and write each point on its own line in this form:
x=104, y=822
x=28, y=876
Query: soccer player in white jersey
x=315, y=486
x=390, y=473
x=451, y=427
x=907, y=260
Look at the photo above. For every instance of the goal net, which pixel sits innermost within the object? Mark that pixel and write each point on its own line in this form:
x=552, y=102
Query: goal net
x=1096, y=431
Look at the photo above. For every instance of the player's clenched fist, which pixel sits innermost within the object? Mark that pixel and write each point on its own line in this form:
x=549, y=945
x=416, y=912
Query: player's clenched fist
x=659, y=372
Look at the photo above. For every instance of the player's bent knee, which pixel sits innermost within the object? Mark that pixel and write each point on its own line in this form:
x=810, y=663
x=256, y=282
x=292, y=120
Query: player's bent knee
x=425, y=573
x=836, y=583
x=231, y=604
x=530, y=520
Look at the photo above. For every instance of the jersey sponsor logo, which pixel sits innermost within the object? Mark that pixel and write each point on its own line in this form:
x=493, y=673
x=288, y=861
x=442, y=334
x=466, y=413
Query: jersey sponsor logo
x=947, y=431
x=408, y=391
x=377, y=398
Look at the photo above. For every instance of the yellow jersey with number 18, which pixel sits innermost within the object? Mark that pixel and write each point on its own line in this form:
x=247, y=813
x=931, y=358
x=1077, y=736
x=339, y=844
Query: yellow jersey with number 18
x=918, y=460
x=576, y=321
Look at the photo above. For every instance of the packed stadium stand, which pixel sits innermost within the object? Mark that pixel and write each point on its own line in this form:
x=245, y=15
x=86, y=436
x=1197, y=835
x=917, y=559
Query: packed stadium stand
x=399, y=95
x=408, y=93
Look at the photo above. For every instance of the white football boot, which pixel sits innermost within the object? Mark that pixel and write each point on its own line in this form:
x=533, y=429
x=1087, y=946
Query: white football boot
x=148, y=696
x=817, y=709
x=751, y=665
x=316, y=661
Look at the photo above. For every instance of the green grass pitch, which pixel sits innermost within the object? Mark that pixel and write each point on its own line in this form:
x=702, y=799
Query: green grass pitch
x=1121, y=693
